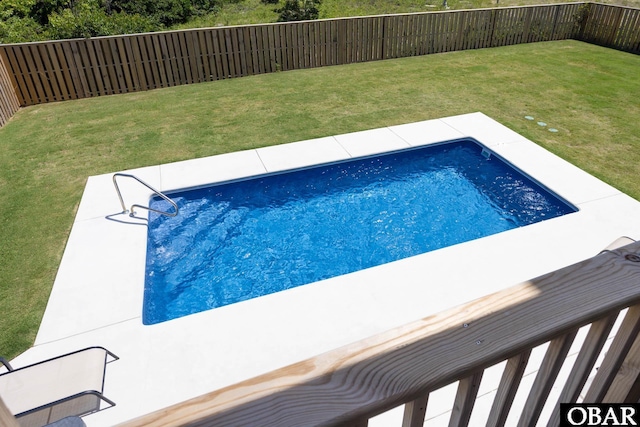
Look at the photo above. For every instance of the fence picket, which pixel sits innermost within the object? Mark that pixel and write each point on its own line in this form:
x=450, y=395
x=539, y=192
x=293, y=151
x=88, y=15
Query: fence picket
x=60, y=61
x=151, y=63
x=161, y=60
x=122, y=65
x=184, y=62
x=30, y=64
x=114, y=65
x=118, y=81
x=131, y=65
x=325, y=41
x=254, y=51
x=52, y=74
x=164, y=61
x=103, y=68
x=33, y=71
x=237, y=56
x=196, y=56
x=75, y=64
x=222, y=71
x=628, y=22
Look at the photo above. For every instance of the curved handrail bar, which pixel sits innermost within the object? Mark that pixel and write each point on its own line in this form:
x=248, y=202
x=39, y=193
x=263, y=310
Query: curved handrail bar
x=6, y=364
x=131, y=211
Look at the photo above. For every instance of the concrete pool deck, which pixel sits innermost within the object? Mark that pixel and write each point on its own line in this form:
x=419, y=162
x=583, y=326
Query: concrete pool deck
x=97, y=295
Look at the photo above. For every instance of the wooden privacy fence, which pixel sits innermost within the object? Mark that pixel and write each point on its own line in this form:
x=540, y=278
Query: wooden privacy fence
x=80, y=68
x=349, y=385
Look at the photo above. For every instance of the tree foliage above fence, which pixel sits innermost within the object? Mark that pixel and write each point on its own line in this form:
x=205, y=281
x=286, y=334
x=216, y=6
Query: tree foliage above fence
x=35, y=20
x=298, y=10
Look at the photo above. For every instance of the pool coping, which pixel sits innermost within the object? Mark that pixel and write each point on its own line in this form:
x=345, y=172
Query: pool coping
x=97, y=295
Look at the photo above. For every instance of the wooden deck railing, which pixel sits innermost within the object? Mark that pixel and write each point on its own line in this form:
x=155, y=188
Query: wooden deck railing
x=403, y=366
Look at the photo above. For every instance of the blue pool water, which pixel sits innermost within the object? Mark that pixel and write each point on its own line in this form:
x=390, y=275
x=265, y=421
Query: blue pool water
x=244, y=239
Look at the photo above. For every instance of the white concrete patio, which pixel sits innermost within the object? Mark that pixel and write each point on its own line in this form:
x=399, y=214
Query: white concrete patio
x=97, y=295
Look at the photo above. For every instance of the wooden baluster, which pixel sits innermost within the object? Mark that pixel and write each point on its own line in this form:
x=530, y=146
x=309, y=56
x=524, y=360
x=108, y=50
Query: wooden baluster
x=547, y=374
x=415, y=411
x=622, y=343
x=507, y=389
x=591, y=348
x=465, y=399
x=625, y=387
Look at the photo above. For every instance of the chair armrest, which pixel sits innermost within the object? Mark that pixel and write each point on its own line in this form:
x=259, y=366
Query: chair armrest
x=78, y=405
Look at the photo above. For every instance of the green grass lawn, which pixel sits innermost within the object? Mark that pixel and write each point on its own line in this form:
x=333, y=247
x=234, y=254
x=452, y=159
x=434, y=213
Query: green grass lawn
x=590, y=94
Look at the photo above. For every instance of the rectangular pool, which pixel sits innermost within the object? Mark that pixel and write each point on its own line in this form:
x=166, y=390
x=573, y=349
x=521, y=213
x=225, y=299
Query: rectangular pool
x=243, y=239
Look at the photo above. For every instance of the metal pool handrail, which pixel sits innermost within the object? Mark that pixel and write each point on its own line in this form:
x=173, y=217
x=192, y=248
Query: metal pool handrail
x=131, y=211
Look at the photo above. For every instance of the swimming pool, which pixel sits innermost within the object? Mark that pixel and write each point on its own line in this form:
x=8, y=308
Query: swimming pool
x=240, y=240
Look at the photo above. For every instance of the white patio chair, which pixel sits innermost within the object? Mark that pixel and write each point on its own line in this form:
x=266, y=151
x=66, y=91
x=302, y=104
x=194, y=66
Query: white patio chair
x=70, y=385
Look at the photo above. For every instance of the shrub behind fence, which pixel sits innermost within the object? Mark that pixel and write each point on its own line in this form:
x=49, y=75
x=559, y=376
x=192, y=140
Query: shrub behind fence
x=80, y=68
